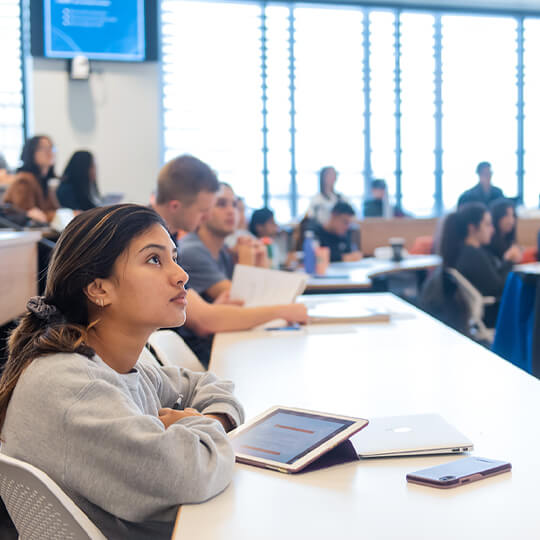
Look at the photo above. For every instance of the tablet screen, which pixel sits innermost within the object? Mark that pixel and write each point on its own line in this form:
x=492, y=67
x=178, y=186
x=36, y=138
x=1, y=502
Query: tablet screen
x=286, y=436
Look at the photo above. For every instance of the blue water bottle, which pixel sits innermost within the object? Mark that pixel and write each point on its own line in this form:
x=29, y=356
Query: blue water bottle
x=309, y=252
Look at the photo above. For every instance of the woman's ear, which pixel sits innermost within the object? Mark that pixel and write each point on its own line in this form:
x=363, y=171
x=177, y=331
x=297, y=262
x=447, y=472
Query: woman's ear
x=99, y=292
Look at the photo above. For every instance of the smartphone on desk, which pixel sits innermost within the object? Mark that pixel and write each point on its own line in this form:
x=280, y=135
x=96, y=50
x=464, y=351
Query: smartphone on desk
x=457, y=473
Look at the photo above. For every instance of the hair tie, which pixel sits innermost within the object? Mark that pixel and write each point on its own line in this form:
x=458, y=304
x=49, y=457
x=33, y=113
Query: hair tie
x=43, y=310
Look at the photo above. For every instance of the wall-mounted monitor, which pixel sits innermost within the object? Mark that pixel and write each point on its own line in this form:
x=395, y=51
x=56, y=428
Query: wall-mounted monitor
x=113, y=30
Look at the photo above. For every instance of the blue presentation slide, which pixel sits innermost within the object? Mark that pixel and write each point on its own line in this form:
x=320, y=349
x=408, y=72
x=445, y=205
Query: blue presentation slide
x=286, y=436
x=97, y=29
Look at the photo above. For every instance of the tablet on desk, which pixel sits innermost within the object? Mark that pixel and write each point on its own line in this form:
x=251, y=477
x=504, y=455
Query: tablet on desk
x=287, y=439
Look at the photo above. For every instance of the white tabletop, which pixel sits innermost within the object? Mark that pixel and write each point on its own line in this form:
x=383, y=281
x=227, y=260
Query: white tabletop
x=530, y=268
x=359, y=274
x=10, y=238
x=413, y=364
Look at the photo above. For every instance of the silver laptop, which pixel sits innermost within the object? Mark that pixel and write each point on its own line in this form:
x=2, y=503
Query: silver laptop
x=409, y=436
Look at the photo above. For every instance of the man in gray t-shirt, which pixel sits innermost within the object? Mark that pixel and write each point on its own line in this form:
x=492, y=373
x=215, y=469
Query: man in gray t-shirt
x=204, y=270
x=203, y=254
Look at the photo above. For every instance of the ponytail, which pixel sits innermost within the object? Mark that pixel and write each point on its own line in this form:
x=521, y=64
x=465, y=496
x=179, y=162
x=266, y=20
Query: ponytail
x=37, y=336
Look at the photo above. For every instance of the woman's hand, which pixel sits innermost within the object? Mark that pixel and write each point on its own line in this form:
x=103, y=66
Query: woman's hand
x=170, y=416
x=513, y=253
x=37, y=215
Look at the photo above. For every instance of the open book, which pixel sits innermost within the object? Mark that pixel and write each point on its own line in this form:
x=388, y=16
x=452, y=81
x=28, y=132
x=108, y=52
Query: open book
x=343, y=312
x=264, y=287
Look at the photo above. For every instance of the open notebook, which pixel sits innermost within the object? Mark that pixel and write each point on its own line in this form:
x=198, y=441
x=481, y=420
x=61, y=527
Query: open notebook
x=264, y=287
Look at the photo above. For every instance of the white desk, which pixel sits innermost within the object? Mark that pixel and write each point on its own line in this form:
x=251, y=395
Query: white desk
x=529, y=268
x=357, y=276
x=18, y=272
x=411, y=365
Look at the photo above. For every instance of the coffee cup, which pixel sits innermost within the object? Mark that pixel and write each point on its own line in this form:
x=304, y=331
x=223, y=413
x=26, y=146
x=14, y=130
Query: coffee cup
x=397, y=248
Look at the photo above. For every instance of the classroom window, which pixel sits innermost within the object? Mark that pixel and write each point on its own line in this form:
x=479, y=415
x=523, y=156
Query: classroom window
x=212, y=89
x=532, y=112
x=329, y=105
x=267, y=94
x=11, y=87
x=479, y=102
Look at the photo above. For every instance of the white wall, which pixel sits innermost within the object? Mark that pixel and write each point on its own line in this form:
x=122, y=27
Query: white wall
x=115, y=114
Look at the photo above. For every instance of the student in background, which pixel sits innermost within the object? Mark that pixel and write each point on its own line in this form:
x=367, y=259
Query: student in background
x=377, y=204
x=262, y=224
x=484, y=192
x=76, y=401
x=336, y=234
x=321, y=204
x=205, y=256
x=186, y=192
x=503, y=243
x=30, y=190
x=466, y=233
x=78, y=189
x=264, y=227
x=241, y=225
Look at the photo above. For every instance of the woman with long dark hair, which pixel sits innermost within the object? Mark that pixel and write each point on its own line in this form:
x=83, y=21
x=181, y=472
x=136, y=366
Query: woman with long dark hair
x=466, y=233
x=127, y=440
x=320, y=206
x=503, y=243
x=78, y=188
x=30, y=191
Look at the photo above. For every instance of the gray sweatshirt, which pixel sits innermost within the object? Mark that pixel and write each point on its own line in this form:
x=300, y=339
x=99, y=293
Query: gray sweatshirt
x=97, y=434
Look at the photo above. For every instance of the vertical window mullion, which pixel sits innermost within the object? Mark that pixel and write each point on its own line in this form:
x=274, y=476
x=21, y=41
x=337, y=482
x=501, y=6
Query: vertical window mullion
x=437, y=51
x=520, y=109
x=397, y=89
x=294, y=191
x=368, y=173
x=264, y=88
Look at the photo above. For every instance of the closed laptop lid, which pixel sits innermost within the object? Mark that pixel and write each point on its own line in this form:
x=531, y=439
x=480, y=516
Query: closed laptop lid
x=409, y=435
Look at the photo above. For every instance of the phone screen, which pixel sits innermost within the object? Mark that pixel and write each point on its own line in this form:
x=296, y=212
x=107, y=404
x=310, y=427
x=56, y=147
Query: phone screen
x=459, y=472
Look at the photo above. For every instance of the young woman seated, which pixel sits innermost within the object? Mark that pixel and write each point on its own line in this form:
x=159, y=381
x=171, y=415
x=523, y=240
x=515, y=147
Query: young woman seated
x=466, y=233
x=78, y=188
x=30, y=191
x=77, y=401
x=503, y=242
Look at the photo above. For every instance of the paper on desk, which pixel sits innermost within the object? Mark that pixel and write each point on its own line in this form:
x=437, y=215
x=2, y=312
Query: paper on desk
x=264, y=287
x=343, y=312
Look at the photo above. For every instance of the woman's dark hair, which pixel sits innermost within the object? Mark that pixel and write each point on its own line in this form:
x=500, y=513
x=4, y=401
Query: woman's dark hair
x=86, y=250
x=322, y=175
x=500, y=241
x=456, y=230
x=259, y=217
x=29, y=164
x=77, y=174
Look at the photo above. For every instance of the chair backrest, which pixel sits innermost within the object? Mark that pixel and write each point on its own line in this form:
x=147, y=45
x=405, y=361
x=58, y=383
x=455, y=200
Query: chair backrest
x=476, y=303
x=172, y=350
x=38, y=507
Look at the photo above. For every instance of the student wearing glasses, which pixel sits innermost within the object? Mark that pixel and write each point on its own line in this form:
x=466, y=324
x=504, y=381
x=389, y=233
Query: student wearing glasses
x=30, y=190
x=78, y=401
